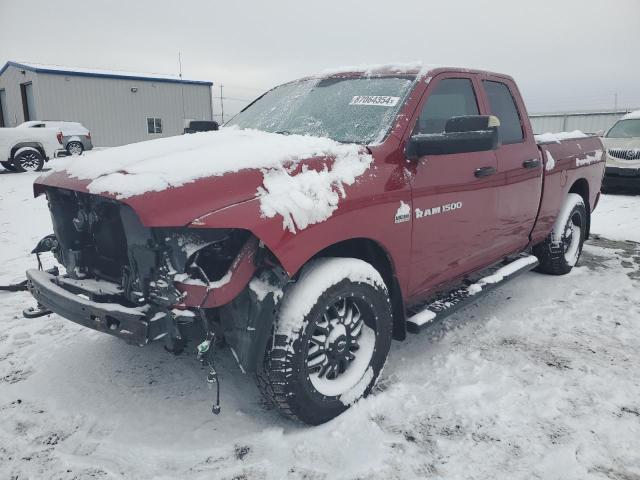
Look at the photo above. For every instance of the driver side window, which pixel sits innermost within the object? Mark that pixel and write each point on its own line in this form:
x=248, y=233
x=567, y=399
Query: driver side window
x=452, y=97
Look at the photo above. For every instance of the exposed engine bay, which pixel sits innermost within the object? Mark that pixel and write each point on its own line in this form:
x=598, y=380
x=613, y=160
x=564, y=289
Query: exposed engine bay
x=145, y=284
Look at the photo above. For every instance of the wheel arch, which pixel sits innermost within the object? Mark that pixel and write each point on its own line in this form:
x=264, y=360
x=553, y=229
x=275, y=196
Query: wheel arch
x=375, y=254
x=581, y=187
x=33, y=145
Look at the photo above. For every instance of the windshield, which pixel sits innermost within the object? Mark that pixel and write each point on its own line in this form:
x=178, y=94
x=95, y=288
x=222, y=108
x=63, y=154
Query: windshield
x=357, y=110
x=625, y=129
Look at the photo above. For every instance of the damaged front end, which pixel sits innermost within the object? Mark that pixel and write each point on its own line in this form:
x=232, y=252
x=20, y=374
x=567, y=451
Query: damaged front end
x=144, y=284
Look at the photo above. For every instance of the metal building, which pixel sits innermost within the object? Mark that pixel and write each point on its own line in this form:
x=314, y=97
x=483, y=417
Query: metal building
x=117, y=107
x=589, y=122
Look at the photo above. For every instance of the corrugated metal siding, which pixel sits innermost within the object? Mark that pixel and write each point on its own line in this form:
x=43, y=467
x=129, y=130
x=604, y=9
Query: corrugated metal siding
x=10, y=82
x=115, y=114
x=596, y=122
x=107, y=107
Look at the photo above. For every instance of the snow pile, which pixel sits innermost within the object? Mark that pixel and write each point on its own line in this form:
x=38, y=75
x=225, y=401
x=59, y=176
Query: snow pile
x=408, y=67
x=262, y=287
x=304, y=199
x=311, y=196
x=589, y=158
x=560, y=136
x=551, y=162
x=186, y=279
x=422, y=318
x=415, y=67
x=171, y=162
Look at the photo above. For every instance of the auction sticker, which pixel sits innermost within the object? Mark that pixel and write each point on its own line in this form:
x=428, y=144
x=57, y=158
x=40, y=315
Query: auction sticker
x=380, y=100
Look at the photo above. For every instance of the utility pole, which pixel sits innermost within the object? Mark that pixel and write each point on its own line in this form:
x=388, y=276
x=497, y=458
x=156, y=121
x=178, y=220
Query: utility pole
x=221, y=105
x=615, y=102
x=181, y=88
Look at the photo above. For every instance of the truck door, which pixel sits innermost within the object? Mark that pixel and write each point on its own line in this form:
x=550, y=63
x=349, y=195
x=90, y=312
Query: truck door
x=454, y=195
x=519, y=164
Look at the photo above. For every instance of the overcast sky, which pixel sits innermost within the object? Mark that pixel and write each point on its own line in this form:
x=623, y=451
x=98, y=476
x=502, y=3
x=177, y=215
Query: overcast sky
x=564, y=54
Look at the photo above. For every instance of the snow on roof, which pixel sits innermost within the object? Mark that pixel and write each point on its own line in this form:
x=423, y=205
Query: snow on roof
x=301, y=199
x=408, y=68
x=630, y=115
x=92, y=72
x=558, y=137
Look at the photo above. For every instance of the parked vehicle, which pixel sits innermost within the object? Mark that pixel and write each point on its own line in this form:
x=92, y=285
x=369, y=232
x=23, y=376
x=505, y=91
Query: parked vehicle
x=24, y=150
x=622, y=142
x=309, y=254
x=75, y=137
x=195, y=126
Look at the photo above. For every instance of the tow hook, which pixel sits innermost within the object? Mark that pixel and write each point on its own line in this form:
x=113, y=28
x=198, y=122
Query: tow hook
x=205, y=357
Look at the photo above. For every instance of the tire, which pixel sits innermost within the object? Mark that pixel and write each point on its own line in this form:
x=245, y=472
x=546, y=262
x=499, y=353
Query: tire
x=561, y=250
x=331, y=340
x=8, y=165
x=75, y=148
x=28, y=160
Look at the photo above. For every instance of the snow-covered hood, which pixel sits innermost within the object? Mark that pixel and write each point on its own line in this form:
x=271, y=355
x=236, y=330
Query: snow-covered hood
x=291, y=175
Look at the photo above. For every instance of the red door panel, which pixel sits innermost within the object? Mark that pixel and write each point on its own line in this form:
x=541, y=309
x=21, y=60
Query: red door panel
x=519, y=165
x=454, y=212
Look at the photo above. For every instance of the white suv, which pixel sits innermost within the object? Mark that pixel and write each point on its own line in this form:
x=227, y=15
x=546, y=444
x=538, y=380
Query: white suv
x=622, y=142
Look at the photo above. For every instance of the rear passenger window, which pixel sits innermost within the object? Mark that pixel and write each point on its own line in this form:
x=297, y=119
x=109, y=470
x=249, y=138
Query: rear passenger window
x=452, y=97
x=504, y=107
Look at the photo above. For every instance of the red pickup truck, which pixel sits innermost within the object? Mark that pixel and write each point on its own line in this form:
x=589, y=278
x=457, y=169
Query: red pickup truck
x=330, y=216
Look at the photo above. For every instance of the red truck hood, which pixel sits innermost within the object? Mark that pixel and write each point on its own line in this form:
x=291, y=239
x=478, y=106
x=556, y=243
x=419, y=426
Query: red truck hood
x=173, y=181
x=174, y=206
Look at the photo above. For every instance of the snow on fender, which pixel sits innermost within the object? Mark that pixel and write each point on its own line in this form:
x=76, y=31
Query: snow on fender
x=316, y=278
x=26, y=149
x=572, y=200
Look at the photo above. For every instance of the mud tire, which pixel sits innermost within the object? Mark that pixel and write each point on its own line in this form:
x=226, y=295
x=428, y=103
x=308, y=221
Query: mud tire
x=285, y=379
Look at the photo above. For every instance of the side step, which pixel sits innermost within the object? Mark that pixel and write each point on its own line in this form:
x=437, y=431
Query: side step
x=446, y=303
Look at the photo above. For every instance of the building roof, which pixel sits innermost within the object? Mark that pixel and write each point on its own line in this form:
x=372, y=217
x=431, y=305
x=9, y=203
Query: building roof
x=91, y=72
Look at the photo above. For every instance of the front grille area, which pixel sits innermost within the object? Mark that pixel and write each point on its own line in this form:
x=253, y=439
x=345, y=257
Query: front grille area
x=625, y=153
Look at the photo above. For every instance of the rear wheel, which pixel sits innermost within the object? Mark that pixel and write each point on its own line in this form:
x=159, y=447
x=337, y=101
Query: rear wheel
x=30, y=160
x=562, y=248
x=331, y=341
x=75, y=148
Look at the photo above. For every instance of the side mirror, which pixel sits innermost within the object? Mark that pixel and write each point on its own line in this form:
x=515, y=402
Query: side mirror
x=473, y=133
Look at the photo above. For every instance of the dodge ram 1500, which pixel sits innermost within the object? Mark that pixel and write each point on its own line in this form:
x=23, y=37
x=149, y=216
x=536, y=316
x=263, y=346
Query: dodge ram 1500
x=332, y=215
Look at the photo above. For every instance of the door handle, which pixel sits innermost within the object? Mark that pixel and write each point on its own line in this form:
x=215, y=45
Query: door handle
x=533, y=163
x=484, y=171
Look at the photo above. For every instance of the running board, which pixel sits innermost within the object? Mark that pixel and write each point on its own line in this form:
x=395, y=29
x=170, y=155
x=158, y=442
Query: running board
x=446, y=303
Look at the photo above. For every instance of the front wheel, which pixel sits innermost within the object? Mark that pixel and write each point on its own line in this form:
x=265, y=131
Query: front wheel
x=29, y=160
x=331, y=340
x=560, y=251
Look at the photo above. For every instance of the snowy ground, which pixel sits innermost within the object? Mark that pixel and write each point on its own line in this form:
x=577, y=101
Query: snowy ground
x=539, y=379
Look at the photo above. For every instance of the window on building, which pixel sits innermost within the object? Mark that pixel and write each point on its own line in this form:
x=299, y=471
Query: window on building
x=504, y=107
x=154, y=125
x=3, y=109
x=452, y=97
